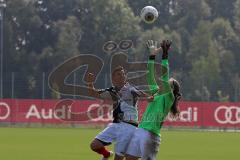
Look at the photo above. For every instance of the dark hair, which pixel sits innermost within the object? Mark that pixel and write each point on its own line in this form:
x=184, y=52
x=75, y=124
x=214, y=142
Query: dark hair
x=116, y=69
x=176, y=92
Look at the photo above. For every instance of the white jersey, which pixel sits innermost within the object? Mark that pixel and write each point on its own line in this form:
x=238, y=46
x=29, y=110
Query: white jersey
x=125, y=106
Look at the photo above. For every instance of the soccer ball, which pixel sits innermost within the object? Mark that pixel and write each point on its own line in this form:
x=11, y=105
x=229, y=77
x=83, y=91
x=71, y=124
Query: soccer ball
x=149, y=14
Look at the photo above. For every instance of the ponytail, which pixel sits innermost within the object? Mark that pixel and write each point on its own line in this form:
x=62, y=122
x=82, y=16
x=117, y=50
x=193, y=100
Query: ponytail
x=174, y=110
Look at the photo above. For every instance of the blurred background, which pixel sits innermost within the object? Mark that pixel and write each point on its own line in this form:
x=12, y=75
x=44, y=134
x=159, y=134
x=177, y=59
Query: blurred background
x=38, y=35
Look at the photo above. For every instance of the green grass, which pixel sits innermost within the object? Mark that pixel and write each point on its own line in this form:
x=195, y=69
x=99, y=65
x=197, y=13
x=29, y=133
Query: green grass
x=73, y=144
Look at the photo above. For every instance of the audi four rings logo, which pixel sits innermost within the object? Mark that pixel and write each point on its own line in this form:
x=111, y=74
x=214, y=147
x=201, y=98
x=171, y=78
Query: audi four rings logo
x=103, y=112
x=227, y=115
x=7, y=108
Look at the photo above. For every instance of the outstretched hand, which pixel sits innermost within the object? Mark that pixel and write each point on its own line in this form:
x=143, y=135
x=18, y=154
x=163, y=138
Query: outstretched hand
x=90, y=78
x=152, y=47
x=165, y=45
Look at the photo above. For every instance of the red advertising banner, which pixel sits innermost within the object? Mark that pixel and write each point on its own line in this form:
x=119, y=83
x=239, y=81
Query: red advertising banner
x=193, y=114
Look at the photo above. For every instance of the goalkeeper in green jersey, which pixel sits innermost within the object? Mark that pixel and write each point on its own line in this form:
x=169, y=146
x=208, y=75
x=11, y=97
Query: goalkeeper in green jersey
x=166, y=94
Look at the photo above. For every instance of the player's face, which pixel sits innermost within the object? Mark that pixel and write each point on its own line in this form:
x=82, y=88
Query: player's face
x=119, y=77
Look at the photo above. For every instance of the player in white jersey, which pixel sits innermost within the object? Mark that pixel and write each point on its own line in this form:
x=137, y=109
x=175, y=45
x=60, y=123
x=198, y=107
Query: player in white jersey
x=125, y=114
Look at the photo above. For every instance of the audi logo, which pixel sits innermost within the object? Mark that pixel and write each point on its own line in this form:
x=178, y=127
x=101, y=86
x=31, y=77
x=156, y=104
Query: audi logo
x=3, y=104
x=227, y=115
x=103, y=112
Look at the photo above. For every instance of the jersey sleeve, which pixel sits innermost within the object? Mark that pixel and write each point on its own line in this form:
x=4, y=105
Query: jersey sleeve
x=165, y=70
x=104, y=94
x=153, y=87
x=136, y=92
x=164, y=79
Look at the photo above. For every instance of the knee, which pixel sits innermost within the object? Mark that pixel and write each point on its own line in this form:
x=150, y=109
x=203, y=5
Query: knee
x=95, y=145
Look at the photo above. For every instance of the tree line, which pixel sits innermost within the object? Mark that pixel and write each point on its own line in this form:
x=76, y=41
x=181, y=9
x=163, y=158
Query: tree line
x=41, y=34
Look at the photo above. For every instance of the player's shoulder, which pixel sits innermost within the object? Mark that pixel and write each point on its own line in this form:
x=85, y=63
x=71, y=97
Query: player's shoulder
x=109, y=89
x=131, y=86
x=112, y=89
x=136, y=88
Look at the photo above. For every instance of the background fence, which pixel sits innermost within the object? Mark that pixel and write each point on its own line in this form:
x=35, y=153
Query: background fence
x=16, y=86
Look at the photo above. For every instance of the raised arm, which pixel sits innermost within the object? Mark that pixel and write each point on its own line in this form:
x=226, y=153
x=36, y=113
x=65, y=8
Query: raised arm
x=165, y=45
x=97, y=93
x=91, y=89
x=152, y=47
x=141, y=94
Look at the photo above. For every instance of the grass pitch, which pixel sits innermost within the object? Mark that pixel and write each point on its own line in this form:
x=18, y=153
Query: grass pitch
x=73, y=144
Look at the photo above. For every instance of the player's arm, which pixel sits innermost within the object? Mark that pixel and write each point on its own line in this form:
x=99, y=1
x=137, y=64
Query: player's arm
x=147, y=97
x=96, y=93
x=152, y=47
x=141, y=94
x=165, y=45
x=91, y=89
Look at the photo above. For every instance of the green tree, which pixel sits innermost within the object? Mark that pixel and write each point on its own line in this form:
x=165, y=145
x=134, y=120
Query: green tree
x=205, y=73
x=224, y=9
x=237, y=15
x=188, y=13
x=104, y=20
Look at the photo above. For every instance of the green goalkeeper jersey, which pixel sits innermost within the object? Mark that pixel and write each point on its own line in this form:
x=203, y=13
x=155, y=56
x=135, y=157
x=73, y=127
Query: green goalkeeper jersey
x=158, y=109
